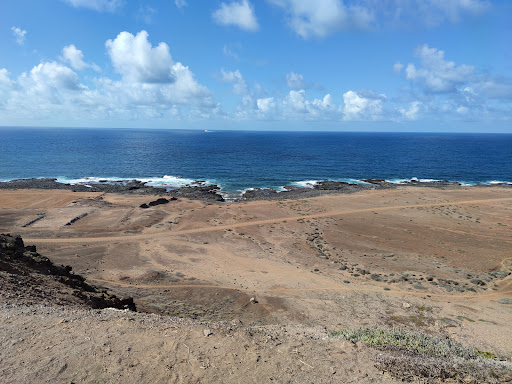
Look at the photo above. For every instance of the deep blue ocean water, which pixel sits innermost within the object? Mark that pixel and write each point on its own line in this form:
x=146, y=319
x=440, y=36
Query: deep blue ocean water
x=237, y=160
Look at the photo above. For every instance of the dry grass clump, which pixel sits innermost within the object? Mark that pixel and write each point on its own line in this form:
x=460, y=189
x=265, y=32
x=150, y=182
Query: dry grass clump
x=403, y=339
x=412, y=355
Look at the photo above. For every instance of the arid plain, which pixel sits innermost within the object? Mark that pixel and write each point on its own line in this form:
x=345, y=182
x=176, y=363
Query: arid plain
x=433, y=259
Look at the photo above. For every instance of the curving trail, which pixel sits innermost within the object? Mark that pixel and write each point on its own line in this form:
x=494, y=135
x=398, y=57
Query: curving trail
x=334, y=288
x=253, y=223
x=325, y=285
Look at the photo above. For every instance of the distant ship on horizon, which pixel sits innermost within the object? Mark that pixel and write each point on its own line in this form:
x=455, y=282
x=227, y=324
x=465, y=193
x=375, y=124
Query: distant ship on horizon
x=208, y=130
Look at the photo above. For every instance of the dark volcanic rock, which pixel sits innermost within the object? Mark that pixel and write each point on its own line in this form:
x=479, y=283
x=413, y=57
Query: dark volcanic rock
x=435, y=183
x=291, y=192
x=25, y=275
x=260, y=194
x=196, y=192
x=375, y=181
x=158, y=202
x=205, y=193
x=74, y=220
x=380, y=182
x=340, y=186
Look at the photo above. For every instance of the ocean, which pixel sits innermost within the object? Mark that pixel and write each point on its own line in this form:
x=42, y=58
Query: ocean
x=239, y=160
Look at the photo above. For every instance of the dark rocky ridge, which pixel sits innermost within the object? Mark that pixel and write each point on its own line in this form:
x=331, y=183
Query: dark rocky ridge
x=212, y=193
x=196, y=192
x=27, y=277
x=335, y=187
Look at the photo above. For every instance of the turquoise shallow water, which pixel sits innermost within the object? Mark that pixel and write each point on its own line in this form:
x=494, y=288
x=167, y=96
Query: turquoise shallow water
x=240, y=160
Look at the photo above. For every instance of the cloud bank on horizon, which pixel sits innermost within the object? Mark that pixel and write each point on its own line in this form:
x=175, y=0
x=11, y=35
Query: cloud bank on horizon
x=341, y=64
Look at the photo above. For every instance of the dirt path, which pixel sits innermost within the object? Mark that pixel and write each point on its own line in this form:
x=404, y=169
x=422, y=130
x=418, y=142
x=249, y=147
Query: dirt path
x=506, y=287
x=255, y=223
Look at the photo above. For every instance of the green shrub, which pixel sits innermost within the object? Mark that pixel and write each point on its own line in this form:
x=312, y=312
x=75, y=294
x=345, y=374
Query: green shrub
x=417, y=342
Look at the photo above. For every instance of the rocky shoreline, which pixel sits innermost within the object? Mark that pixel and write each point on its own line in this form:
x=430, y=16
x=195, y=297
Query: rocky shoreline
x=135, y=187
x=213, y=193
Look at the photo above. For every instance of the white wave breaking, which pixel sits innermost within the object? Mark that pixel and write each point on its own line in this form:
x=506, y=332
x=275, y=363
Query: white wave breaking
x=163, y=182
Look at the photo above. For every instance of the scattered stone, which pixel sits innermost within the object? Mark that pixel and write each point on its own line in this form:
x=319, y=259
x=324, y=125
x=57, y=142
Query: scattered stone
x=72, y=221
x=406, y=305
x=40, y=216
x=207, y=332
x=375, y=277
x=505, y=300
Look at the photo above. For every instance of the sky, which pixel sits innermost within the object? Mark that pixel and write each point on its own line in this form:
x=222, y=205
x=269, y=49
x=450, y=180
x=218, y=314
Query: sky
x=326, y=65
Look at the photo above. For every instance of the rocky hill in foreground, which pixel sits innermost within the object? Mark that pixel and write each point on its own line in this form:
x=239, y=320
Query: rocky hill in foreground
x=26, y=277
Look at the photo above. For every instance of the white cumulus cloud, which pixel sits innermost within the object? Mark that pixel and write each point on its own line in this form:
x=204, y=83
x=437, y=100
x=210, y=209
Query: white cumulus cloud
x=5, y=80
x=296, y=104
x=19, y=35
x=137, y=61
x=75, y=58
x=412, y=113
x=151, y=86
x=437, y=74
x=266, y=104
x=149, y=74
x=319, y=18
x=235, y=78
x=237, y=13
x=313, y=18
x=50, y=83
x=296, y=101
x=324, y=104
x=97, y=5
x=52, y=75
x=359, y=107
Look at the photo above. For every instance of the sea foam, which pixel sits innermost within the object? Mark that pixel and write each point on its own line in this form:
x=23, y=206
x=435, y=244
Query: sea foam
x=165, y=181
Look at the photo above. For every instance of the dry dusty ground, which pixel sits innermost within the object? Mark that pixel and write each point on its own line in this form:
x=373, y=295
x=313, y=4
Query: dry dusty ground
x=424, y=258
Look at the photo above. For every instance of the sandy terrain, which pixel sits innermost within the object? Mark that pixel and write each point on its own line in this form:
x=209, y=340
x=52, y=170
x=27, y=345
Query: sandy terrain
x=433, y=259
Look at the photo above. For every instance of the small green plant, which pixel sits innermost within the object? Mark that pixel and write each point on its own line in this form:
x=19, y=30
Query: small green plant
x=486, y=354
x=402, y=339
x=465, y=318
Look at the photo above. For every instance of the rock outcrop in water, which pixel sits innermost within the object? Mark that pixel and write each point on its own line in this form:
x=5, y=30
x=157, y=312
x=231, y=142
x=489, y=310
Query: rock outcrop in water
x=196, y=192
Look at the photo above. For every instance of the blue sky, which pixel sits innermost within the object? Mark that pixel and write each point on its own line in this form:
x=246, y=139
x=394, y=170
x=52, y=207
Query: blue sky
x=380, y=65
